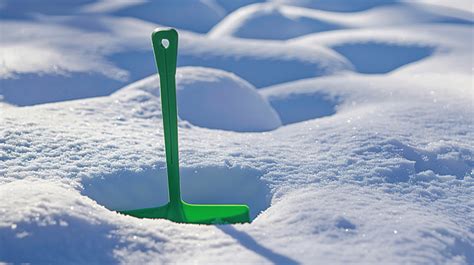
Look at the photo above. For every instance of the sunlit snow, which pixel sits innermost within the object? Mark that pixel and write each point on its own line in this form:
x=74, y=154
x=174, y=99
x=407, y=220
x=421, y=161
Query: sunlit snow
x=346, y=126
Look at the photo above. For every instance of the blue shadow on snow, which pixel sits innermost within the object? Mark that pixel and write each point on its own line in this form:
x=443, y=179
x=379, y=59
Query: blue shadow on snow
x=251, y=244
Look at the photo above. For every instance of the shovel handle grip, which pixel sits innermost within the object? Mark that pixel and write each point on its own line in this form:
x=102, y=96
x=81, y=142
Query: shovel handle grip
x=165, y=46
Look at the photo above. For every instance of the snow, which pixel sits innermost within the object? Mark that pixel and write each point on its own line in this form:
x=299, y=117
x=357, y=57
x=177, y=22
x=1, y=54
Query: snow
x=117, y=51
x=337, y=5
x=220, y=100
x=217, y=99
x=200, y=15
x=351, y=144
x=280, y=22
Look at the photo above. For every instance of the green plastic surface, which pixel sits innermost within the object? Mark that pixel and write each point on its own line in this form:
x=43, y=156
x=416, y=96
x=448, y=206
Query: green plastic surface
x=165, y=46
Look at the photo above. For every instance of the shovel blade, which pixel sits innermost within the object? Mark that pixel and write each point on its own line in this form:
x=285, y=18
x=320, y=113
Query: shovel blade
x=153, y=213
x=196, y=213
x=216, y=213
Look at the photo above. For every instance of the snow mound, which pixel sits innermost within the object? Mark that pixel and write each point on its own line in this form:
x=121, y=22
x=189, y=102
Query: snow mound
x=220, y=100
x=39, y=223
x=37, y=217
x=280, y=22
x=217, y=99
x=269, y=21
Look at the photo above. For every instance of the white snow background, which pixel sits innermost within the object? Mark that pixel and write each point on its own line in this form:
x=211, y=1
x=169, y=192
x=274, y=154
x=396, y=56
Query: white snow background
x=346, y=126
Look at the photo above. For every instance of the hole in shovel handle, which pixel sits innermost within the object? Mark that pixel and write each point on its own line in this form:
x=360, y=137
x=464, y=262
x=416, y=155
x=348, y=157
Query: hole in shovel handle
x=165, y=43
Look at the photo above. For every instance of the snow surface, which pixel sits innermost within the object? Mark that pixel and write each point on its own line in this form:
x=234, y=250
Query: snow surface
x=349, y=133
x=274, y=21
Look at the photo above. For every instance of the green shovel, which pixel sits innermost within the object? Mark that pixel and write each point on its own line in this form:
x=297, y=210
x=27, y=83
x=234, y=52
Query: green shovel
x=165, y=46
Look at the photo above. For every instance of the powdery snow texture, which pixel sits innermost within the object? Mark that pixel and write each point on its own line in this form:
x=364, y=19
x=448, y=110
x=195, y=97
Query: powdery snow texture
x=348, y=131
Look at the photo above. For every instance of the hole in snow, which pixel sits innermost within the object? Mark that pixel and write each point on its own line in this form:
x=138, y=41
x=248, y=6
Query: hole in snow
x=165, y=43
x=295, y=108
x=126, y=190
x=375, y=58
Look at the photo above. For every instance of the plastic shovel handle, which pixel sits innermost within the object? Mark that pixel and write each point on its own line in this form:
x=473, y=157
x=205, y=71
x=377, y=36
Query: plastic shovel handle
x=165, y=47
